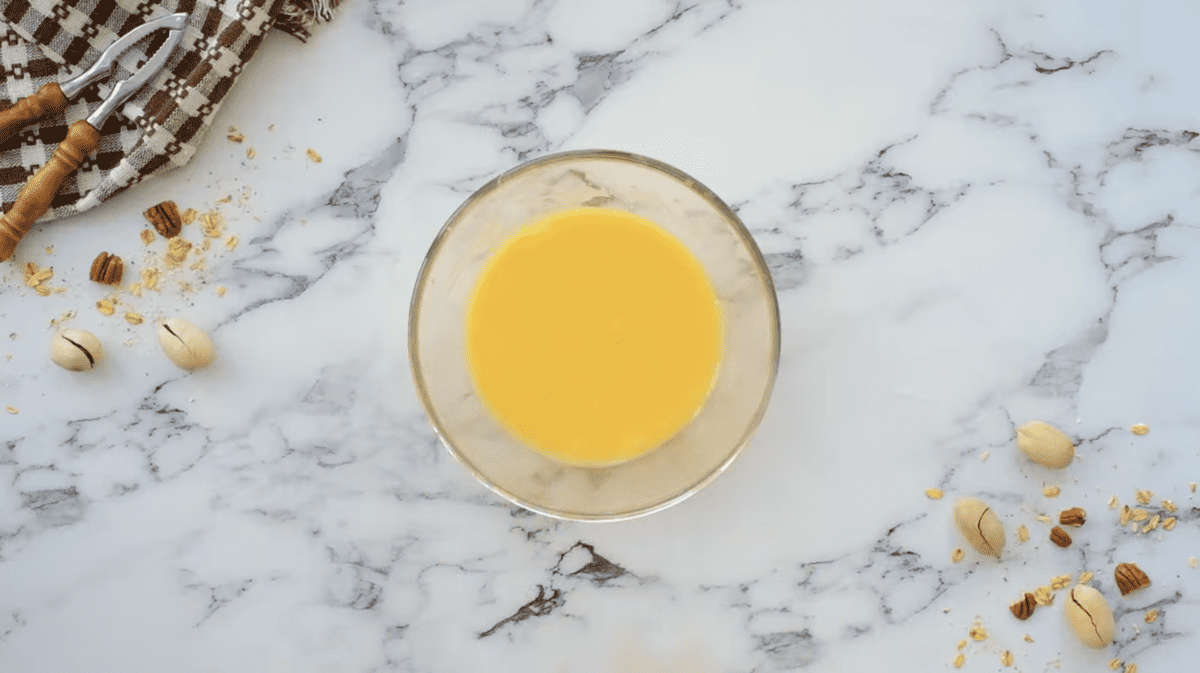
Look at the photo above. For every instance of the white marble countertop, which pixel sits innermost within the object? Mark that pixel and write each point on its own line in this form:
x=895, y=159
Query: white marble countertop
x=976, y=214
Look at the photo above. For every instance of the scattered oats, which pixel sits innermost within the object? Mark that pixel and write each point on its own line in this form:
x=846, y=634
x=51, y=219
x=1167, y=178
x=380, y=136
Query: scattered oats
x=1152, y=524
x=1006, y=659
x=957, y=555
x=188, y=216
x=962, y=645
x=1085, y=577
x=1112, y=501
x=1139, y=429
x=934, y=493
x=106, y=306
x=1194, y=562
x=1043, y=518
x=55, y=322
x=220, y=290
x=12, y=410
x=199, y=264
x=977, y=632
x=1133, y=526
x=1140, y=514
x=250, y=153
x=1126, y=513
x=1169, y=523
x=960, y=660
x=1051, y=491
x=1028, y=638
x=1169, y=506
x=177, y=250
x=236, y=137
x=232, y=242
x=49, y=249
x=1060, y=582
x=150, y=277
x=212, y=223
x=147, y=236
x=1130, y=668
x=225, y=199
x=1043, y=596
x=1143, y=497
x=206, y=245
x=135, y=289
x=985, y=455
x=1022, y=534
x=1192, y=486
x=133, y=318
x=313, y=156
x=1114, y=664
x=1151, y=616
x=185, y=286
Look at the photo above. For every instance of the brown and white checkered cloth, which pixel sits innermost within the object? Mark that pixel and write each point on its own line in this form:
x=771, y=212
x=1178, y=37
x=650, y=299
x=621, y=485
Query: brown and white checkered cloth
x=162, y=126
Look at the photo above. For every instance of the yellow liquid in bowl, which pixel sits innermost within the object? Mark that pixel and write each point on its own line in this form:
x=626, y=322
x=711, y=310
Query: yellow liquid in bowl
x=594, y=336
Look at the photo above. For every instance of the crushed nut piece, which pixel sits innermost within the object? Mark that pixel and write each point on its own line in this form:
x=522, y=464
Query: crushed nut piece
x=960, y=660
x=165, y=218
x=49, y=249
x=977, y=632
x=1139, y=428
x=1051, y=491
x=133, y=318
x=1076, y=516
x=1151, y=616
x=1143, y=497
x=147, y=237
x=1169, y=506
x=1022, y=533
x=957, y=555
x=1023, y=609
x=1169, y=523
x=313, y=156
x=1112, y=501
x=1060, y=537
x=1060, y=582
x=236, y=137
x=934, y=493
x=1129, y=578
x=232, y=242
x=1006, y=659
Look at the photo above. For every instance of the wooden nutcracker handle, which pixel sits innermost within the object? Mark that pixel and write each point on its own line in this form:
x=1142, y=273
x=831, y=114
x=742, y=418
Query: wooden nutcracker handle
x=48, y=100
x=34, y=199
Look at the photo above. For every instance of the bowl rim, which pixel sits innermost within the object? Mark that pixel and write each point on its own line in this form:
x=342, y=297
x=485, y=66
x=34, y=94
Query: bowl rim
x=738, y=227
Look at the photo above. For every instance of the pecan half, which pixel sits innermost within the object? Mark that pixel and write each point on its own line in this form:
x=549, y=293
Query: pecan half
x=1060, y=537
x=1129, y=578
x=1023, y=609
x=1072, y=517
x=165, y=218
x=107, y=269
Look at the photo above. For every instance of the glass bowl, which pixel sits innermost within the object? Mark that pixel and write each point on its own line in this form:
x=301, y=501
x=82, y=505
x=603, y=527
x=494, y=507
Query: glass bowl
x=676, y=202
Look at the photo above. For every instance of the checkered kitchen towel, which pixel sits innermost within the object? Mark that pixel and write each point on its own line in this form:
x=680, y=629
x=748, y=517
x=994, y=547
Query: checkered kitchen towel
x=161, y=127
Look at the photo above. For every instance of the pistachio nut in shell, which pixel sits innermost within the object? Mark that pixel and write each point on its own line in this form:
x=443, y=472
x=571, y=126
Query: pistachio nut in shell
x=76, y=349
x=185, y=344
x=1046, y=444
x=979, y=525
x=1089, y=616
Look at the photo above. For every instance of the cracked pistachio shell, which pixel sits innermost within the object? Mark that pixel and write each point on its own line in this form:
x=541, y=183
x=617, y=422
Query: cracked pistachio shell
x=185, y=344
x=77, y=350
x=1046, y=444
x=1089, y=616
x=980, y=525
